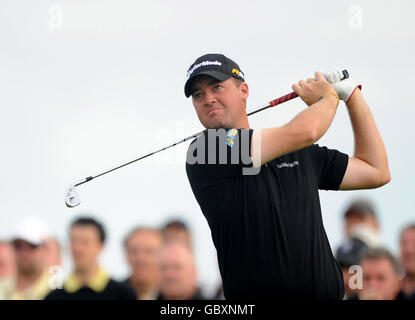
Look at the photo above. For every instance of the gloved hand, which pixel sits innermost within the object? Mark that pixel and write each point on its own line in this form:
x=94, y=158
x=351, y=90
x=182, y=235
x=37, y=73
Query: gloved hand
x=344, y=88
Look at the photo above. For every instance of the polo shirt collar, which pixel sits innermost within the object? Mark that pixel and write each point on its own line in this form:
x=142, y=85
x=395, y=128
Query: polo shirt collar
x=97, y=283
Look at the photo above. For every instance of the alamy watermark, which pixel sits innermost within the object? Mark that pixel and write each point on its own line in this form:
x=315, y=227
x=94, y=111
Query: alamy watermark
x=213, y=146
x=55, y=21
x=55, y=277
x=356, y=280
x=355, y=17
x=218, y=146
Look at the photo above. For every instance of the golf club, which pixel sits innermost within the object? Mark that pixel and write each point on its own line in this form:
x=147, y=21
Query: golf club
x=72, y=198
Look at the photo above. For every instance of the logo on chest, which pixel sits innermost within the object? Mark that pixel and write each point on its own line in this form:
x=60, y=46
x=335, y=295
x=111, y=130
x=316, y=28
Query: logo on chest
x=287, y=165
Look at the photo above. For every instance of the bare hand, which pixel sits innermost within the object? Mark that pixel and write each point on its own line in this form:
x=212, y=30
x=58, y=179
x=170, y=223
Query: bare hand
x=312, y=89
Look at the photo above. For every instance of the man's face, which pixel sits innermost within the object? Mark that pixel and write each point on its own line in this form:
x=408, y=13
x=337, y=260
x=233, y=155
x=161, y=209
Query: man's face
x=143, y=248
x=219, y=104
x=29, y=257
x=380, y=282
x=356, y=219
x=407, y=245
x=174, y=234
x=178, y=273
x=85, y=246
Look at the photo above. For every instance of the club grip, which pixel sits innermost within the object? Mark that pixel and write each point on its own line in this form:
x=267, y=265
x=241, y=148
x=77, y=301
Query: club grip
x=282, y=99
x=292, y=95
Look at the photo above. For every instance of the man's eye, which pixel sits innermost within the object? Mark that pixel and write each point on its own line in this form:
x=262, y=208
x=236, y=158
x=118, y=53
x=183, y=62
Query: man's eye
x=197, y=95
x=217, y=87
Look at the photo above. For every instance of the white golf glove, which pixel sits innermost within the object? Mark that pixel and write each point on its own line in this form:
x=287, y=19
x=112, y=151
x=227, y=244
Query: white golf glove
x=344, y=88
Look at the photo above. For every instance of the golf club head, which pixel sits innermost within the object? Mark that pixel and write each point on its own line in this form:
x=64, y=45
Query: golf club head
x=71, y=197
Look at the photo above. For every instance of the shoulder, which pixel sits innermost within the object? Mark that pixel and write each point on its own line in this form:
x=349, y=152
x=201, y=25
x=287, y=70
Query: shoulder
x=405, y=296
x=55, y=294
x=122, y=289
x=126, y=281
x=305, y=154
x=198, y=295
x=323, y=153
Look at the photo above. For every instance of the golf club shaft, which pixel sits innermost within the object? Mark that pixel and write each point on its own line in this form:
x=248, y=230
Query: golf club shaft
x=272, y=103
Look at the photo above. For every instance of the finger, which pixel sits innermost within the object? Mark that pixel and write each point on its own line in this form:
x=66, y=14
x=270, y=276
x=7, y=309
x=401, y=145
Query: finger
x=301, y=83
x=325, y=75
x=311, y=80
x=318, y=76
x=296, y=88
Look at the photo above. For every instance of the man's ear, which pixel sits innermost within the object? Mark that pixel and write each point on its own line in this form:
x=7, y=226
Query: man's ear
x=101, y=247
x=244, y=90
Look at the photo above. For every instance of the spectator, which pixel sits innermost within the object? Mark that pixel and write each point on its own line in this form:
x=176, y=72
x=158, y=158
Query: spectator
x=142, y=246
x=7, y=265
x=178, y=273
x=89, y=281
x=177, y=230
x=361, y=222
x=381, y=275
x=348, y=255
x=361, y=229
x=31, y=280
x=407, y=249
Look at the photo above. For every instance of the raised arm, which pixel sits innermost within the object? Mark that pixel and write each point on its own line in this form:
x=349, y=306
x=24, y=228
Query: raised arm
x=305, y=129
x=368, y=168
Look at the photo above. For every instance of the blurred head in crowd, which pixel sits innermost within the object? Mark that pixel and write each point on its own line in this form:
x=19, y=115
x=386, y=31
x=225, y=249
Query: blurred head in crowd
x=407, y=250
x=361, y=222
x=178, y=272
x=142, y=246
x=87, y=237
x=381, y=275
x=7, y=266
x=29, y=242
x=407, y=257
x=349, y=254
x=177, y=230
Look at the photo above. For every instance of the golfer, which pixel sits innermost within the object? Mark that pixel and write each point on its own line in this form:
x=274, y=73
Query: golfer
x=267, y=227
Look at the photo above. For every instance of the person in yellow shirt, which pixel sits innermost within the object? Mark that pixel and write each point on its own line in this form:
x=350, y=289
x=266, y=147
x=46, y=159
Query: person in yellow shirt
x=31, y=281
x=89, y=281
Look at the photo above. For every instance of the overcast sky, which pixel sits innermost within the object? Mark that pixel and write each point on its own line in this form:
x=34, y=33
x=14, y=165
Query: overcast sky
x=86, y=85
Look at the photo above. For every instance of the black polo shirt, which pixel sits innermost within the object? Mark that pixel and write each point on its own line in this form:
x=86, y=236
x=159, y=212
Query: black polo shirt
x=112, y=291
x=267, y=228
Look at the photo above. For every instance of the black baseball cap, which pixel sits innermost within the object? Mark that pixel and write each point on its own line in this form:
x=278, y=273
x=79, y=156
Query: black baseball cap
x=215, y=65
x=350, y=253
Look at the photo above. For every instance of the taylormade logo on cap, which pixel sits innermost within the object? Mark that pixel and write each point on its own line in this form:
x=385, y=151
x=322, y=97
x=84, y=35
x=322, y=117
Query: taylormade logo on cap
x=214, y=65
x=204, y=63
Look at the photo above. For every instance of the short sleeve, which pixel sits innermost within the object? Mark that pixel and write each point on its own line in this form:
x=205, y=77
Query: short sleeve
x=330, y=166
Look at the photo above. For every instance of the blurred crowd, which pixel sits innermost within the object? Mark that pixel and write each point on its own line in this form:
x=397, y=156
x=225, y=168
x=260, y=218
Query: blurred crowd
x=162, y=263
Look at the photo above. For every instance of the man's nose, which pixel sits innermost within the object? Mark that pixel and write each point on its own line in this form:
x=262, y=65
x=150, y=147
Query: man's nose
x=210, y=97
x=370, y=284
